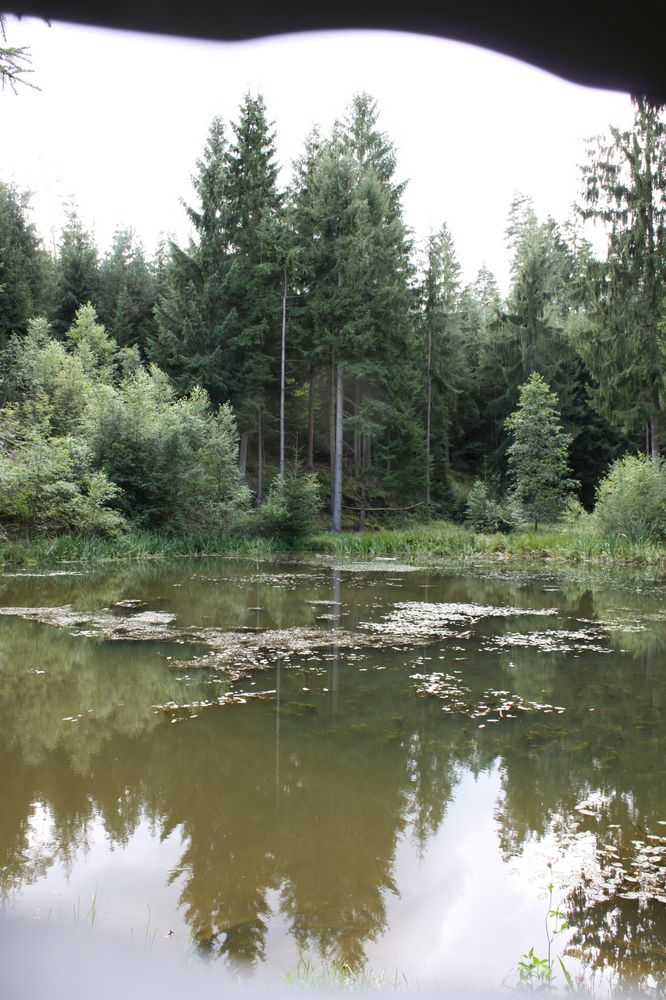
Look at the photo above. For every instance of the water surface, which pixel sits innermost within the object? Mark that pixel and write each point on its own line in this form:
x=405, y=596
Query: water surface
x=257, y=763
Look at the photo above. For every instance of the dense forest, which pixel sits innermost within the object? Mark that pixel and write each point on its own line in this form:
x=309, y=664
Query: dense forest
x=304, y=344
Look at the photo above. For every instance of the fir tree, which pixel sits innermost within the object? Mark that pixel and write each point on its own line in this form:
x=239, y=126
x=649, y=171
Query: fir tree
x=23, y=264
x=538, y=454
x=77, y=274
x=254, y=207
x=443, y=362
x=624, y=188
x=194, y=314
x=127, y=292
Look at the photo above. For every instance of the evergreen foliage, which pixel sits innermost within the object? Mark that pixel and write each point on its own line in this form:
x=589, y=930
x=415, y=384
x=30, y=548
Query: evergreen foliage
x=290, y=509
x=158, y=392
x=625, y=295
x=484, y=513
x=77, y=274
x=127, y=292
x=23, y=264
x=538, y=454
x=443, y=355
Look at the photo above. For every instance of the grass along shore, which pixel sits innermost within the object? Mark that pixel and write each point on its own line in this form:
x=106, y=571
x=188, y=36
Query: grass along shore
x=428, y=543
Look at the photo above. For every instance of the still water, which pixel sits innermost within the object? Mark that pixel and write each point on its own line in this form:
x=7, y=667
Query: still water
x=261, y=764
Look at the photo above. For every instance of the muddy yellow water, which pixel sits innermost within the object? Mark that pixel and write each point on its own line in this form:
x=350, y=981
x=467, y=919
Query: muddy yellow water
x=274, y=764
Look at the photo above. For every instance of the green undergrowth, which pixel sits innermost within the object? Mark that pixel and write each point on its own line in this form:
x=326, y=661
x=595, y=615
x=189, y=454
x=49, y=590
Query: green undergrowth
x=132, y=545
x=427, y=543
x=443, y=540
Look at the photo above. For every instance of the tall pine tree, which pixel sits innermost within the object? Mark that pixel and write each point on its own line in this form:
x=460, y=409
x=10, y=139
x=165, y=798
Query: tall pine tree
x=624, y=189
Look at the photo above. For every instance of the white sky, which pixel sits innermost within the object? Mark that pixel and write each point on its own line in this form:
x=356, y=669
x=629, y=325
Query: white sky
x=121, y=119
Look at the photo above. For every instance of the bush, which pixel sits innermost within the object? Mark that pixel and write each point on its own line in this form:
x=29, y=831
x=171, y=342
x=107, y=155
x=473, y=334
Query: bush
x=452, y=500
x=484, y=513
x=289, y=511
x=47, y=485
x=631, y=500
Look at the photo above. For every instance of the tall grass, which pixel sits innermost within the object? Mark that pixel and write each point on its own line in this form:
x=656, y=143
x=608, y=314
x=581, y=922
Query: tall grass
x=428, y=543
x=139, y=544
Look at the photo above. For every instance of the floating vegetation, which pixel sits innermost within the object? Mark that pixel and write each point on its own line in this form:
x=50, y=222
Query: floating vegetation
x=493, y=706
x=447, y=687
x=606, y=861
x=45, y=575
x=238, y=653
x=287, y=581
x=552, y=641
x=184, y=710
x=377, y=566
x=418, y=620
x=102, y=624
x=130, y=603
x=635, y=870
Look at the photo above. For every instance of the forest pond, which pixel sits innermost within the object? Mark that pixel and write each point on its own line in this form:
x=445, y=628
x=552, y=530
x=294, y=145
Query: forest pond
x=259, y=763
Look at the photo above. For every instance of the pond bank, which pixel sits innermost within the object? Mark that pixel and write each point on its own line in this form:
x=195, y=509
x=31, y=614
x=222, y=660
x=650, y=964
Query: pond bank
x=426, y=544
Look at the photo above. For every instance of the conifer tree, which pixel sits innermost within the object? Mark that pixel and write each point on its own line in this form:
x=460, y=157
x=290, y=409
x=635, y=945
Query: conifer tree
x=127, y=292
x=254, y=207
x=194, y=314
x=538, y=454
x=624, y=188
x=23, y=264
x=77, y=274
x=359, y=302
x=440, y=292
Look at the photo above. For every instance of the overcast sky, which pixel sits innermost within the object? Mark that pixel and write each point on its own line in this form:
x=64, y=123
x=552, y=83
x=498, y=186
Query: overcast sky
x=121, y=119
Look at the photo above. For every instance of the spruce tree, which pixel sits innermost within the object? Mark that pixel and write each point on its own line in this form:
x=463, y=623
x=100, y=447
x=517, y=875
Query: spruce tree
x=443, y=362
x=194, y=315
x=360, y=306
x=127, y=292
x=23, y=264
x=77, y=274
x=254, y=209
x=624, y=188
x=538, y=454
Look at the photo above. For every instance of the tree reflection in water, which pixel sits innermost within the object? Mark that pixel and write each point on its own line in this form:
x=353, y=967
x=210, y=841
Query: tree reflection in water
x=302, y=799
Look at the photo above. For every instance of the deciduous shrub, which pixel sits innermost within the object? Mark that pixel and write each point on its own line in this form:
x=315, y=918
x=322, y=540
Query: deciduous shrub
x=631, y=500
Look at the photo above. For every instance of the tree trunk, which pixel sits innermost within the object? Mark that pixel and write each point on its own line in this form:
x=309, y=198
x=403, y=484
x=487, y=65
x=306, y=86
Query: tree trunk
x=242, y=454
x=357, y=434
x=283, y=348
x=428, y=412
x=655, y=452
x=331, y=432
x=310, y=459
x=260, y=460
x=337, y=491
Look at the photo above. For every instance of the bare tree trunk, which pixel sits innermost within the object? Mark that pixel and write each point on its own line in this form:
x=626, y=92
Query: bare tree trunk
x=242, y=454
x=310, y=459
x=357, y=434
x=283, y=354
x=655, y=452
x=337, y=491
x=428, y=412
x=260, y=460
x=331, y=432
